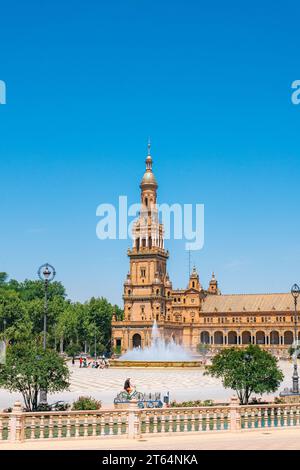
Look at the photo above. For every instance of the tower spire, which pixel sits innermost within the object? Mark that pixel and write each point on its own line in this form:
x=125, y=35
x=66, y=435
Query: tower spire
x=149, y=158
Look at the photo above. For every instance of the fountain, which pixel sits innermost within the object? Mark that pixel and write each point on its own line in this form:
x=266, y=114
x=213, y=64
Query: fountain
x=159, y=354
x=159, y=349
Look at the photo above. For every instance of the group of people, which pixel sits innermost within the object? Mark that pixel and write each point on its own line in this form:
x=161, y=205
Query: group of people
x=103, y=363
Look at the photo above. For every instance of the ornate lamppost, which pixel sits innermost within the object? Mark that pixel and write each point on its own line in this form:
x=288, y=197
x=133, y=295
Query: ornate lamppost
x=295, y=291
x=46, y=274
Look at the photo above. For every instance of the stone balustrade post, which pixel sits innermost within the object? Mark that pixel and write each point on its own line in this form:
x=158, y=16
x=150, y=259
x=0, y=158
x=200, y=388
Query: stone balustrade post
x=16, y=423
x=234, y=414
x=133, y=423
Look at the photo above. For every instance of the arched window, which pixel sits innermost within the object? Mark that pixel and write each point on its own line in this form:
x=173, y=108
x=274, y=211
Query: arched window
x=204, y=337
x=274, y=337
x=246, y=337
x=232, y=337
x=288, y=337
x=218, y=337
x=260, y=337
x=136, y=341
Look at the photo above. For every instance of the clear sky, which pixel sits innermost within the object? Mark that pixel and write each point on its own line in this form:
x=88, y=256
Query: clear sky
x=210, y=82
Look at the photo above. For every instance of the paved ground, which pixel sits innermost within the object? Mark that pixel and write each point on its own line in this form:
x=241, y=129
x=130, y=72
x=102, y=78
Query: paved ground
x=287, y=439
x=183, y=384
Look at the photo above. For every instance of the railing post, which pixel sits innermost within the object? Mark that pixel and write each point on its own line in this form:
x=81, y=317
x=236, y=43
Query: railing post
x=234, y=414
x=16, y=423
x=133, y=423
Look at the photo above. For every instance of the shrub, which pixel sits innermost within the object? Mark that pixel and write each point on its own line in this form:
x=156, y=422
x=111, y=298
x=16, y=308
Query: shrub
x=60, y=406
x=191, y=403
x=278, y=400
x=86, y=403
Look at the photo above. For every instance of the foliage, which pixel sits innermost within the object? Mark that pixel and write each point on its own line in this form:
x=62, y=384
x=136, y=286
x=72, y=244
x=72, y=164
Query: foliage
x=29, y=369
x=58, y=406
x=292, y=350
x=73, y=349
x=247, y=371
x=278, y=400
x=203, y=349
x=86, y=403
x=191, y=403
x=71, y=326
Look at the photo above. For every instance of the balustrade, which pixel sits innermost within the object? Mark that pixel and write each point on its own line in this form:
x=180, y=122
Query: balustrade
x=19, y=426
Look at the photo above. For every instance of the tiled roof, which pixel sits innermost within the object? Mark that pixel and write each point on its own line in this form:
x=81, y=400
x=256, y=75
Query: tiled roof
x=248, y=303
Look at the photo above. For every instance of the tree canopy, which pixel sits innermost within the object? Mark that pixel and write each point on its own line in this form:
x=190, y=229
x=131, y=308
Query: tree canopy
x=71, y=326
x=247, y=371
x=28, y=369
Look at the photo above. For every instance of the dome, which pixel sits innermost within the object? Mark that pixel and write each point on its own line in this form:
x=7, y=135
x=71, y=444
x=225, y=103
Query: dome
x=148, y=179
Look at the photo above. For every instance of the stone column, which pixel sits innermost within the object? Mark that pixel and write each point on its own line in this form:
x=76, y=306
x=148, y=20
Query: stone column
x=235, y=424
x=16, y=430
x=133, y=422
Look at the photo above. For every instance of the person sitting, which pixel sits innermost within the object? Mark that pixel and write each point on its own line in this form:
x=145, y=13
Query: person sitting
x=127, y=386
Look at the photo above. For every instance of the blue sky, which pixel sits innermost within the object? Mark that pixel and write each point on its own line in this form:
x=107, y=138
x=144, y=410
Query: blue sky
x=88, y=82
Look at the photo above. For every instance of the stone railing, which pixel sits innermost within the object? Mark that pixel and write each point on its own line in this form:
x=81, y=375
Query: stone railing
x=133, y=423
x=169, y=420
x=269, y=416
x=5, y=419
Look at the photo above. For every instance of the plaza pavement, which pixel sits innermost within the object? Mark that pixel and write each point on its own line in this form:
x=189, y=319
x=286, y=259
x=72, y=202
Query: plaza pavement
x=183, y=384
x=287, y=439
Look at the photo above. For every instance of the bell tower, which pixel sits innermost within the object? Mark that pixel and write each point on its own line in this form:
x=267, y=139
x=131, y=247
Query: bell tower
x=144, y=288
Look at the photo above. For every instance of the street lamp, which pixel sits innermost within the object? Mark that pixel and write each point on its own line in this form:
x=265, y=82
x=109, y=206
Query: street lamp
x=295, y=291
x=46, y=274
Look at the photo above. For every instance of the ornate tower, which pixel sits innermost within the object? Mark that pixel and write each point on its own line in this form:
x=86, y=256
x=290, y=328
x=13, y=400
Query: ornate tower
x=144, y=288
x=213, y=285
x=194, y=282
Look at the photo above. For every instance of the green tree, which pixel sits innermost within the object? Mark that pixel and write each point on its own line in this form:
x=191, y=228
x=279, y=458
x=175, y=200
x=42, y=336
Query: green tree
x=100, y=313
x=68, y=323
x=29, y=369
x=203, y=349
x=247, y=371
x=3, y=278
x=29, y=290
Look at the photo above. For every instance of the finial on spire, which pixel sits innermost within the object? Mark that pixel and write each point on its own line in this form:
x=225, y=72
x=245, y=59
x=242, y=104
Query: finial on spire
x=149, y=159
